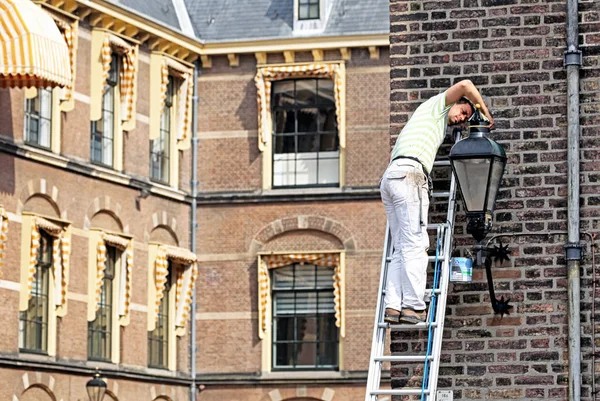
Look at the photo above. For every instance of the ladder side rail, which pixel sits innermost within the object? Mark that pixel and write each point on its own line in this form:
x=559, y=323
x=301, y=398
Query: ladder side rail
x=444, y=280
x=378, y=344
x=432, y=332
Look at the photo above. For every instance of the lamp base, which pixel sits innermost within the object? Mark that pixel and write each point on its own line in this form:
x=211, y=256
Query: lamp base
x=478, y=225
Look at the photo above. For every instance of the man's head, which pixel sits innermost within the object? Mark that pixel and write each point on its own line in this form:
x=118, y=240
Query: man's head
x=461, y=111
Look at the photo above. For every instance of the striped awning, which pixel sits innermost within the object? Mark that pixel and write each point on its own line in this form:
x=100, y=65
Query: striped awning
x=33, y=51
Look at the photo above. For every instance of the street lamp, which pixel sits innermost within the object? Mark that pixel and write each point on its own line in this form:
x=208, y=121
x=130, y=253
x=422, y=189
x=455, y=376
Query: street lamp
x=478, y=163
x=96, y=387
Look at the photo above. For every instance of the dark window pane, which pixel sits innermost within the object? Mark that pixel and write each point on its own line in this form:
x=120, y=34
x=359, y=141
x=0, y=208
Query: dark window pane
x=306, y=329
x=327, y=331
x=325, y=93
x=285, y=144
x=307, y=120
x=306, y=92
x=329, y=143
x=308, y=143
x=285, y=121
x=283, y=94
x=284, y=354
x=327, y=354
x=284, y=328
x=306, y=354
x=327, y=121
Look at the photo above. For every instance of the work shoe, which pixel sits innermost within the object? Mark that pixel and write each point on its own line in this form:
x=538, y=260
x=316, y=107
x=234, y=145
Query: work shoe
x=412, y=316
x=391, y=315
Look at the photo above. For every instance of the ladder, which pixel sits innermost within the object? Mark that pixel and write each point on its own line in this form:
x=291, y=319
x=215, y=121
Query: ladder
x=429, y=361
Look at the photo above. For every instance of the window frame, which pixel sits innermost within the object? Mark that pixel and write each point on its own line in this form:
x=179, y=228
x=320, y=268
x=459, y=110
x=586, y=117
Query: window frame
x=112, y=87
x=163, y=323
x=264, y=320
x=94, y=237
x=42, y=271
x=309, y=4
x=106, y=309
x=31, y=95
x=170, y=109
x=172, y=331
x=32, y=114
x=27, y=219
x=296, y=317
x=295, y=110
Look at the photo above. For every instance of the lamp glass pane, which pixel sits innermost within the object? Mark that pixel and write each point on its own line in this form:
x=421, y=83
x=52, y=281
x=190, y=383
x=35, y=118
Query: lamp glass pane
x=96, y=393
x=494, y=185
x=472, y=175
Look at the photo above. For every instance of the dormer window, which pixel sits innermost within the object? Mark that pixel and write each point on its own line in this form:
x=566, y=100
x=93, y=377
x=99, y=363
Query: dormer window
x=310, y=16
x=308, y=9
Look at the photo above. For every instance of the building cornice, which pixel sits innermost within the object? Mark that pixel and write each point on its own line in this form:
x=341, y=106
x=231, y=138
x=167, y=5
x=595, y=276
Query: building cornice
x=297, y=44
x=91, y=170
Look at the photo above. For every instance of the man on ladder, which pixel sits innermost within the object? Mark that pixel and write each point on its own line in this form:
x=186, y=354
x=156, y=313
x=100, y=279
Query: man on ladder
x=405, y=195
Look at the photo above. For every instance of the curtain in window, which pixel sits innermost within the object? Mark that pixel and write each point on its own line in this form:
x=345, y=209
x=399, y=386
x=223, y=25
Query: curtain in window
x=185, y=280
x=266, y=75
x=160, y=69
x=3, y=235
x=275, y=261
x=110, y=43
x=61, y=250
x=126, y=246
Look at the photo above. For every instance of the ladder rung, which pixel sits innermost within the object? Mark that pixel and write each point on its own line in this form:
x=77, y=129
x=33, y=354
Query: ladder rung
x=440, y=194
x=407, y=326
x=404, y=358
x=406, y=391
x=429, y=258
x=445, y=162
x=428, y=293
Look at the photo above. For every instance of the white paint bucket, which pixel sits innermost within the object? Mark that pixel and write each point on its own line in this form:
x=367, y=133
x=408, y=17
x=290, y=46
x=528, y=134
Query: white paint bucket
x=462, y=269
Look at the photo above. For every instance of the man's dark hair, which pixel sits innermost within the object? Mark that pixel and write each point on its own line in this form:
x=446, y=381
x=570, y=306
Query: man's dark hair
x=464, y=100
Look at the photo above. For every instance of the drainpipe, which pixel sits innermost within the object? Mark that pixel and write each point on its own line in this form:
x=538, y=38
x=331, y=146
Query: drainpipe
x=194, y=225
x=573, y=62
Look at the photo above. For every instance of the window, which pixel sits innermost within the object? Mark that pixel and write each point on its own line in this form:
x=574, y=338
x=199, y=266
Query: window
x=305, y=335
x=100, y=330
x=103, y=130
x=160, y=147
x=38, y=119
x=305, y=133
x=308, y=9
x=33, y=323
x=158, y=339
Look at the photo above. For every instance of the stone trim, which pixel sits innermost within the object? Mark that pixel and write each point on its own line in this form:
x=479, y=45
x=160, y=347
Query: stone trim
x=303, y=222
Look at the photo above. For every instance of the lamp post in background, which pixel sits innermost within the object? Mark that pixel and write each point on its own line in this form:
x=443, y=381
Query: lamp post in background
x=96, y=387
x=478, y=163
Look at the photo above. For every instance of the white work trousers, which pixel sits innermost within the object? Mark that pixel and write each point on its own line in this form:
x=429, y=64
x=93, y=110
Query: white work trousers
x=404, y=192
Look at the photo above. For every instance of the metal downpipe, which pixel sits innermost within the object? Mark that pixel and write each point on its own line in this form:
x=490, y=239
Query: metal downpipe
x=573, y=61
x=194, y=226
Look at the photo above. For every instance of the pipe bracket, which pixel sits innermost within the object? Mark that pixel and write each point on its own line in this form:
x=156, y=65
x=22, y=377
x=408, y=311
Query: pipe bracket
x=573, y=251
x=573, y=57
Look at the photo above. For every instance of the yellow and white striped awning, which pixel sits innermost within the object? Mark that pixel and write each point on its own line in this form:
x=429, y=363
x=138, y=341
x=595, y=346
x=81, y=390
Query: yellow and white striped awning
x=33, y=52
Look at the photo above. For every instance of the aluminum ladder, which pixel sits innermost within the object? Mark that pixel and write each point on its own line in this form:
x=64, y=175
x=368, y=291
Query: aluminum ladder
x=434, y=324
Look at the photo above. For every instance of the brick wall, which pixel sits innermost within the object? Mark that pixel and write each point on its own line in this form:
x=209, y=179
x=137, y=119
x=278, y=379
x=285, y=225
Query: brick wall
x=513, y=51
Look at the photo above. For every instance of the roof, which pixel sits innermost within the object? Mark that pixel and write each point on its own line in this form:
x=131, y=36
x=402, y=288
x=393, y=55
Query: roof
x=216, y=21
x=162, y=11
x=235, y=20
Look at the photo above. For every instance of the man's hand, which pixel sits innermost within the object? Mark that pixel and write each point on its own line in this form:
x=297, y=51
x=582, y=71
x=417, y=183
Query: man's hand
x=467, y=89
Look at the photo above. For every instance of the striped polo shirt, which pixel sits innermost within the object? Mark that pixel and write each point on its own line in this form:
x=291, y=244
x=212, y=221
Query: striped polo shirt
x=424, y=132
